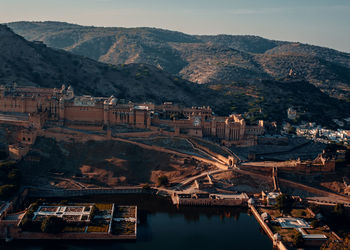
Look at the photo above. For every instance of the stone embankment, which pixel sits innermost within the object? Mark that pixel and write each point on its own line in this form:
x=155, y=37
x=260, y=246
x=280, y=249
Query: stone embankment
x=277, y=243
x=87, y=191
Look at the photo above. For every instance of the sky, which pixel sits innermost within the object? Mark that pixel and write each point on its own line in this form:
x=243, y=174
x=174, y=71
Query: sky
x=319, y=22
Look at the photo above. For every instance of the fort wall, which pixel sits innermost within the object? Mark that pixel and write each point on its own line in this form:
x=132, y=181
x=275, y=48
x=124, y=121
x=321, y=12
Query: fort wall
x=62, y=107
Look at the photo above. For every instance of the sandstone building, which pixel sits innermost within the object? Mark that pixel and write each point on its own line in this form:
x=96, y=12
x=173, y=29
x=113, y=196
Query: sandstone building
x=36, y=107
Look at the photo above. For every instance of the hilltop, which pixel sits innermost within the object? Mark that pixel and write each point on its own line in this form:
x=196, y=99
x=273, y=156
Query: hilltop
x=222, y=59
x=33, y=63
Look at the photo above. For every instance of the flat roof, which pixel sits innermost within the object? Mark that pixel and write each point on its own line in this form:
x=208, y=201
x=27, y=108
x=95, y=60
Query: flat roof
x=289, y=222
x=232, y=196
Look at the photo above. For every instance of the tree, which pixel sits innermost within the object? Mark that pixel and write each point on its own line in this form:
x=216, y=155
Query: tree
x=7, y=191
x=93, y=212
x=163, y=180
x=314, y=223
x=291, y=130
x=52, y=224
x=298, y=239
x=14, y=176
x=27, y=223
x=146, y=186
x=284, y=202
x=339, y=209
x=330, y=244
x=315, y=208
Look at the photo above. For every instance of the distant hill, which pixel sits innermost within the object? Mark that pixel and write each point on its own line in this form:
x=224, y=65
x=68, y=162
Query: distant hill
x=202, y=59
x=32, y=63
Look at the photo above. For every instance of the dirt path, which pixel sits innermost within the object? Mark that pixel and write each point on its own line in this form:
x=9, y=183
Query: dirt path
x=169, y=151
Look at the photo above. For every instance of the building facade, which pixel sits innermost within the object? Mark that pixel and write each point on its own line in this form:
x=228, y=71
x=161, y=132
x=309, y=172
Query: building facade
x=62, y=107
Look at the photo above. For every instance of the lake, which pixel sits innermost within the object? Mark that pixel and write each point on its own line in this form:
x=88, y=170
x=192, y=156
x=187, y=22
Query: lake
x=163, y=226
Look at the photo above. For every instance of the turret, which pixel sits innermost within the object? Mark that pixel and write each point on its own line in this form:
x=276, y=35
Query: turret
x=106, y=112
x=61, y=109
x=69, y=93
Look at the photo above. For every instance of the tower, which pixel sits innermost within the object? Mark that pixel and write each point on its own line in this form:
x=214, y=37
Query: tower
x=106, y=113
x=61, y=110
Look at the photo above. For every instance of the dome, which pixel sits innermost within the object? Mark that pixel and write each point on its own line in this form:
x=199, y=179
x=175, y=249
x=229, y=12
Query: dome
x=113, y=101
x=265, y=216
x=105, y=102
x=251, y=201
x=277, y=237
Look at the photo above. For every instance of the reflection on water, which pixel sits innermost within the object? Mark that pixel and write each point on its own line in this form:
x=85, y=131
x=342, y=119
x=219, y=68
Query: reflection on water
x=163, y=226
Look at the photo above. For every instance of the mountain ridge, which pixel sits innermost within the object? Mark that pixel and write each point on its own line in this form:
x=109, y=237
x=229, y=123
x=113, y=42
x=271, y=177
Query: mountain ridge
x=33, y=63
x=200, y=58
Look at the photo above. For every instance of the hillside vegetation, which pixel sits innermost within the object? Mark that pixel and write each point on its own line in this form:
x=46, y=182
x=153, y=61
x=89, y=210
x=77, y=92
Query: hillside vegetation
x=33, y=63
x=28, y=63
x=201, y=59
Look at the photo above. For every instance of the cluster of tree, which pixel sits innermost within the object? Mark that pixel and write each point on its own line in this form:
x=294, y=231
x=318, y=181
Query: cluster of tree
x=162, y=181
x=27, y=223
x=298, y=240
x=10, y=178
x=284, y=203
x=336, y=245
x=315, y=223
x=94, y=211
x=51, y=224
x=146, y=186
x=338, y=210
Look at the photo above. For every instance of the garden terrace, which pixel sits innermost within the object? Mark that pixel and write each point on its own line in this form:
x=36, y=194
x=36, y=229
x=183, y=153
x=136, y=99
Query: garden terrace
x=77, y=221
x=124, y=220
x=67, y=213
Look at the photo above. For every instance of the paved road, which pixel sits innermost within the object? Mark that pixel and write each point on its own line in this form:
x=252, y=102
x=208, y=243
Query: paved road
x=13, y=118
x=193, y=178
x=330, y=201
x=331, y=197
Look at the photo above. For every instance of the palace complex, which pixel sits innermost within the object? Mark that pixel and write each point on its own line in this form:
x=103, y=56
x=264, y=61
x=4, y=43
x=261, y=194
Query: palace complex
x=39, y=107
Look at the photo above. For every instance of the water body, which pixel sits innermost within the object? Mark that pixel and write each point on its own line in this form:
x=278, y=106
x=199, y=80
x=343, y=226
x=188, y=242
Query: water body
x=162, y=226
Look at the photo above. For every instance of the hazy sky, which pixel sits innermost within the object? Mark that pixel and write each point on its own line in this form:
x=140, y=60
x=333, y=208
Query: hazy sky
x=320, y=22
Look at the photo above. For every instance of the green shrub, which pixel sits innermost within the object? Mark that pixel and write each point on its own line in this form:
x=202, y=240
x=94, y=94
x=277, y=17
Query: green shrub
x=34, y=206
x=7, y=191
x=14, y=176
x=146, y=186
x=93, y=212
x=298, y=239
x=163, y=180
x=52, y=224
x=314, y=223
x=27, y=224
x=339, y=209
x=284, y=203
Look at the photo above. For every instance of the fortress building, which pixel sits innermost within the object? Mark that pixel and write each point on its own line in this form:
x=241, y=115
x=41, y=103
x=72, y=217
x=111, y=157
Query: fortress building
x=38, y=107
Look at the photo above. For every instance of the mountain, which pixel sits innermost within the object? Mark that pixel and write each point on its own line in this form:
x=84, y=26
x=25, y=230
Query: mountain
x=32, y=63
x=222, y=59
